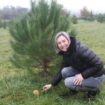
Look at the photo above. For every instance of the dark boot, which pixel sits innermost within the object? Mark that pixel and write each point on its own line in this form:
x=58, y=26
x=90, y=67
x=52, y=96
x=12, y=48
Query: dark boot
x=90, y=95
x=68, y=93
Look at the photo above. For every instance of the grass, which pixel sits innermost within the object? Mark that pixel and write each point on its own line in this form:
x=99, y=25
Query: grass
x=16, y=85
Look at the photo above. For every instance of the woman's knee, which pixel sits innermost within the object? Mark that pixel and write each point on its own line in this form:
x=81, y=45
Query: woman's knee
x=65, y=72
x=92, y=82
x=69, y=82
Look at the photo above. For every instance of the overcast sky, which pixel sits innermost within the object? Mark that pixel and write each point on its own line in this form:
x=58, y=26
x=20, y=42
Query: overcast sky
x=72, y=5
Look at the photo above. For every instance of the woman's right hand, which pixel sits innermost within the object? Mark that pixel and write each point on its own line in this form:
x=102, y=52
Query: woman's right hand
x=47, y=87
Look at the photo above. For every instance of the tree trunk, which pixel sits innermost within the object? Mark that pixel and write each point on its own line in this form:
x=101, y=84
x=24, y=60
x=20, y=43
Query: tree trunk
x=45, y=65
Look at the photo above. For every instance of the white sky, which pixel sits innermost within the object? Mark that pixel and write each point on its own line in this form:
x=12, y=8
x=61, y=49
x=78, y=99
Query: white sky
x=72, y=5
x=22, y=3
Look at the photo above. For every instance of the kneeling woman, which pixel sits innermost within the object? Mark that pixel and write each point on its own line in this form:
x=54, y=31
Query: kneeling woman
x=81, y=68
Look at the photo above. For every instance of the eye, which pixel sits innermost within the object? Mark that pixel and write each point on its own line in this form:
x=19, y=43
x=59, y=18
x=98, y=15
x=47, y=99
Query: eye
x=59, y=43
x=63, y=41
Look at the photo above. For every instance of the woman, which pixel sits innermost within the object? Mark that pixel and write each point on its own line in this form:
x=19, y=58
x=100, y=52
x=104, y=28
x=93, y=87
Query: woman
x=81, y=68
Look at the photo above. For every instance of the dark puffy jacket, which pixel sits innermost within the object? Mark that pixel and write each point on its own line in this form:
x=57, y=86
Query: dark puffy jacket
x=82, y=59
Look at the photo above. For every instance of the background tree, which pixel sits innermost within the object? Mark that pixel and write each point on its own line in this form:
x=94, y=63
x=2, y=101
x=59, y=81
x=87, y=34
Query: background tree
x=33, y=34
x=1, y=23
x=101, y=18
x=91, y=16
x=86, y=14
x=74, y=19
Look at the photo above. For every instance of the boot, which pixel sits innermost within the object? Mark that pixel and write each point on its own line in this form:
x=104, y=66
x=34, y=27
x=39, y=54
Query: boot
x=68, y=93
x=90, y=95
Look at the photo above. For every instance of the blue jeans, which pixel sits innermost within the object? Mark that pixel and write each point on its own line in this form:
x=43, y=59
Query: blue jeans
x=90, y=83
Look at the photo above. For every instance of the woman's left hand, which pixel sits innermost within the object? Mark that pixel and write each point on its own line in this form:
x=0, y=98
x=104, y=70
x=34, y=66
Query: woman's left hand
x=78, y=79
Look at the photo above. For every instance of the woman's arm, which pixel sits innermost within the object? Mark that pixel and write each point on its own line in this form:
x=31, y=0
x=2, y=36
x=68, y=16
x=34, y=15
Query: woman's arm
x=94, y=62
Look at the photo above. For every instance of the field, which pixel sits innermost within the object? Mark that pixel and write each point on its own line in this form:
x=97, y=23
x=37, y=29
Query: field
x=16, y=85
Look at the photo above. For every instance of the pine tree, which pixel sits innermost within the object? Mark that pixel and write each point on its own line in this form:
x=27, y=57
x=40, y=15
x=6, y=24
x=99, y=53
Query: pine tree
x=32, y=41
x=74, y=19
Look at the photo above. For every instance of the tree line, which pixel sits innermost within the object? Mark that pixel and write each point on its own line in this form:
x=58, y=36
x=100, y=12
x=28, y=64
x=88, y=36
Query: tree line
x=85, y=14
x=9, y=13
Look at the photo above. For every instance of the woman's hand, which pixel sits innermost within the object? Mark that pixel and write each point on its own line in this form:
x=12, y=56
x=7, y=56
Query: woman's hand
x=78, y=79
x=47, y=87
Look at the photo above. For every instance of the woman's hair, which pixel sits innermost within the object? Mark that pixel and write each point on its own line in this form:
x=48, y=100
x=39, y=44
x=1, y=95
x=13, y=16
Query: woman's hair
x=66, y=35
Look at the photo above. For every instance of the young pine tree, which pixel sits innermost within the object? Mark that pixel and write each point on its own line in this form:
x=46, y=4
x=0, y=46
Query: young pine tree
x=32, y=35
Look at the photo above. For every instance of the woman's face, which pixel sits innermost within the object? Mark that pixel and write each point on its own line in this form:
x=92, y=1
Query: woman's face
x=62, y=43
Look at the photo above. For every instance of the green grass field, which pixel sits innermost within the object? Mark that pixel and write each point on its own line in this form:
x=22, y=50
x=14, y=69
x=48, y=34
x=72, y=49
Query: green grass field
x=16, y=85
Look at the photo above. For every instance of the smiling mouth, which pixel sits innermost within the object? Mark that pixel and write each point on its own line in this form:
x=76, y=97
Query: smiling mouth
x=65, y=47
